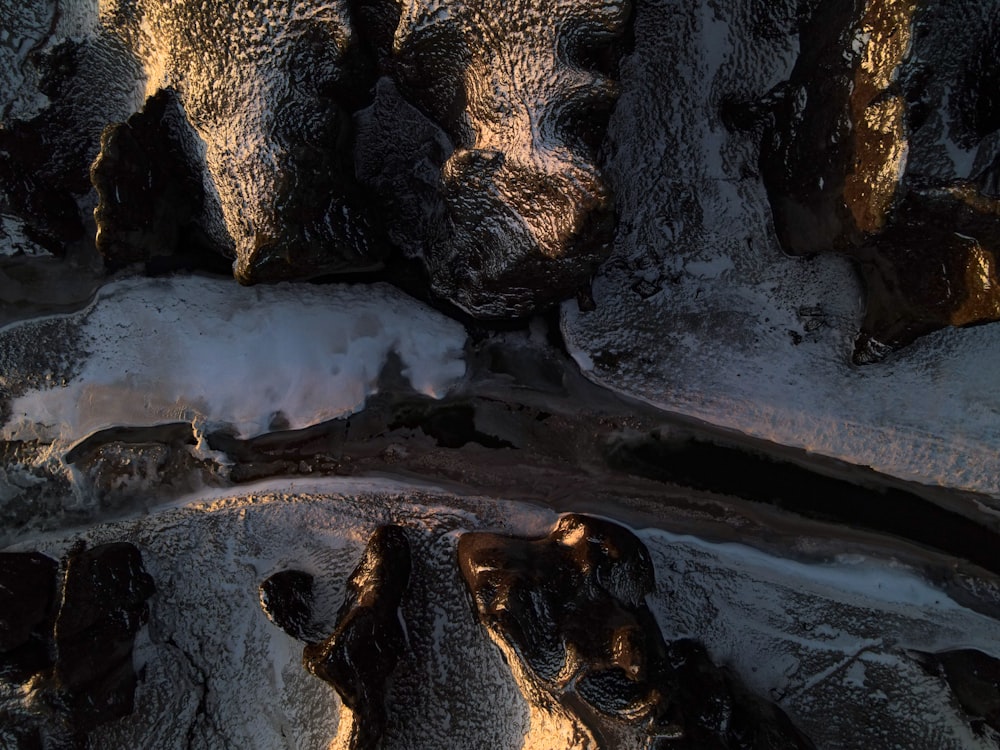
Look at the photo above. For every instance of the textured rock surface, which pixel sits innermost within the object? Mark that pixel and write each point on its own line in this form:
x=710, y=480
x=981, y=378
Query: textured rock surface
x=153, y=206
x=866, y=158
x=69, y=636
x=524, y=91
x=269, y=88
x=699, y=310
x=44, y=158
x=364, y=649
x=569, y=611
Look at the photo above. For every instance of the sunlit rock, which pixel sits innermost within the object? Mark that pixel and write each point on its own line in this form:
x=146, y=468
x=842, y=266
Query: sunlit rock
x=269, y=88
x=524, y=91
x=363, y=650
x=570, y=612
x=865, y=158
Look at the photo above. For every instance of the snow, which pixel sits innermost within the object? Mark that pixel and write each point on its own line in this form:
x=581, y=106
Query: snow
x=819, y=638
x=218, y=355
x=698, y=312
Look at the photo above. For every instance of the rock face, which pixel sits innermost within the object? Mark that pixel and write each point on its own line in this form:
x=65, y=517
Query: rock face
x=153, y=206
x=523, y=91
x=44, y=159
x=569, y=611
x=361, y=653
x=286, y=598
x=27, y=613
x=974, y=679
x=865, y=158
x=103, y=606
x=269, y=88
x=73, y=642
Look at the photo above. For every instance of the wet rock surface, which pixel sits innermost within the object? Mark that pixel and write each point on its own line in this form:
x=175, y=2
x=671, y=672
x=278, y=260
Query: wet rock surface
x=365, y=646
x=865, y=158
x=286, y=598
x=570, y=609
x=71, y=633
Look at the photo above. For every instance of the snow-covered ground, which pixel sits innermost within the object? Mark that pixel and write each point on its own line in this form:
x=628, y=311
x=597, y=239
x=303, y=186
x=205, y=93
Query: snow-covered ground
x=217, y=355
x=828, y=641
x=698, y=312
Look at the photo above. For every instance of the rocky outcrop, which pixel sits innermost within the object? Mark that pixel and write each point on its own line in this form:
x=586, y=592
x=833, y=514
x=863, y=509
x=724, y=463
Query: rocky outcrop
x=71, y=636
x=974, y=680
x=524, y=92
x=27, y=613
x=358, y=658
x=44, y=160
x=153, y=207
x=286, y=598
x=569, y=611
x=270, y=89
x=864, y=159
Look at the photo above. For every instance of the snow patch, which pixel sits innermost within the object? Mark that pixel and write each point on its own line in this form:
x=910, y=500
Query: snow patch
x=218, y=355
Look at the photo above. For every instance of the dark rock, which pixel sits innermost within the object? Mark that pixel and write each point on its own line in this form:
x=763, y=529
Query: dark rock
x=974, y=679
x=524, y=93
x=272, y=102
x=360, y=655
x=44, y=161
x=103, y=607
x=15, y=735
x=286, y=598
x=852, y=163
x=27, y=613
x=152, y=202
x=571, y=610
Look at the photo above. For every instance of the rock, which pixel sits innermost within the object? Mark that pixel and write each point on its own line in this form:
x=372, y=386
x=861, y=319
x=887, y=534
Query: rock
x=152, y=202
x=854, y=162
x=79, y=658
x=27, y=613
x=103, y=607
x=569, y=611
x=286, y=598
x=44, y=160
x=974, y=679
x=364, y=648
x=524, y=92
x=270, y=90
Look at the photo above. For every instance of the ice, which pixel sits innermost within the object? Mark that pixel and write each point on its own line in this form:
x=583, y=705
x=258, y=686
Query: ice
x=217, y=355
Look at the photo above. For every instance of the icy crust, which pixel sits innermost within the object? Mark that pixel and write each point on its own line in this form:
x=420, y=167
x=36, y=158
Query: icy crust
x=217, y=356
x=828, y=642
x=698, y=311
